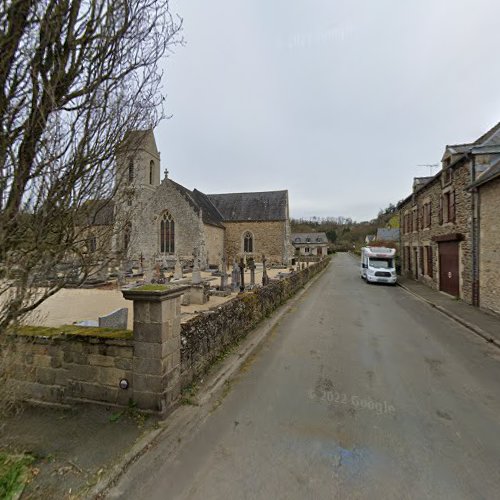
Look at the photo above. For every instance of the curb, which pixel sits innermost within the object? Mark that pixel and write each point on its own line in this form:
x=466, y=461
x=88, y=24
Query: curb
x=176, y=420
x=470, y=326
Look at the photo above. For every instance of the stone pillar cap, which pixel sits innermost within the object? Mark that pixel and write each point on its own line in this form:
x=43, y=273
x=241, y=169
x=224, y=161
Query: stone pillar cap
x=154, y=293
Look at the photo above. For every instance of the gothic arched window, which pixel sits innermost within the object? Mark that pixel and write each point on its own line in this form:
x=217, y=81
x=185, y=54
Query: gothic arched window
x=92, y=244
x=248, y=242
x=167, y=234
x=130, y=170
x=126, y=237
x=151, y=171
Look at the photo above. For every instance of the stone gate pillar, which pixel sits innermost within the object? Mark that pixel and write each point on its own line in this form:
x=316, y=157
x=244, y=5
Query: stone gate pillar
x=157, y=349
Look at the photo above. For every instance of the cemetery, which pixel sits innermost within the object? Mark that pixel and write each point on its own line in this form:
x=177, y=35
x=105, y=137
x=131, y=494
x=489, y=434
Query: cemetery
x=103, y=361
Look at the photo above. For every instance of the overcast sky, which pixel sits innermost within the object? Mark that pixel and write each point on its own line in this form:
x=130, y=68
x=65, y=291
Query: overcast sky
x=337, y=101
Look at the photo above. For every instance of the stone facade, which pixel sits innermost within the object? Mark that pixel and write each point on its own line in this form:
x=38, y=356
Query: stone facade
x=189, y=227
x=269, y=238
x=310, y=244
x=215, y=244
x=489, y=260
x=138, y=161
x=451, y=217
x=417, y=235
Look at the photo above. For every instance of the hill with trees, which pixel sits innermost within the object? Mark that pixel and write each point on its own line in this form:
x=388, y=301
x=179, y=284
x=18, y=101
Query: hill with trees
x=344, y=233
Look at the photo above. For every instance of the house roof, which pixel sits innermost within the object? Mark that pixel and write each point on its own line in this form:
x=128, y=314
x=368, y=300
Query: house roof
x=490, y=139
x=261, y=206
x=387, y=234
x=312, y=237
x=487, y=143
x=419, y=182
x=492, y=173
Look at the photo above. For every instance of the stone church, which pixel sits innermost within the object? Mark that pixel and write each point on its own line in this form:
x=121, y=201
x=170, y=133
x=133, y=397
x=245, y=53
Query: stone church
x=166, y=221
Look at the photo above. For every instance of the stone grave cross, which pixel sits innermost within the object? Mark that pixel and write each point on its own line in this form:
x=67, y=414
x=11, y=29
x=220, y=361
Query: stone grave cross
x=265, y=278
x=241, y=265
x=251, y=266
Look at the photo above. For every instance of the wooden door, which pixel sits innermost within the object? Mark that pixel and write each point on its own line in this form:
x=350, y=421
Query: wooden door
x=448, y=268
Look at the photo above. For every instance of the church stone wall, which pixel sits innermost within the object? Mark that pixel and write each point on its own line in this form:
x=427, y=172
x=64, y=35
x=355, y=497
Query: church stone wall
x=188, y=226
x=268, y=238
x=214, y=240
x=142, y=161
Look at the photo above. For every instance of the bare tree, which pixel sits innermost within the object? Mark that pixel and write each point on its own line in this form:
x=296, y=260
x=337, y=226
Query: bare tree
x=75, y=76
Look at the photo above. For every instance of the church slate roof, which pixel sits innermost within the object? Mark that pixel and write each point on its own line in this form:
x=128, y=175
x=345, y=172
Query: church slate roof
x=261, y=206
x=210, y=214
x=199, y=201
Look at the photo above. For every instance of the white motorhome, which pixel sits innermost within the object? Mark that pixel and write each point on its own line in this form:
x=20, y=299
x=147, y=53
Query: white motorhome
x=378, y=265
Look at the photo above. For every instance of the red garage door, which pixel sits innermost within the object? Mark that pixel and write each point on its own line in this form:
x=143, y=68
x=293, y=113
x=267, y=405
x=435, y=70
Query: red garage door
x=448, y=266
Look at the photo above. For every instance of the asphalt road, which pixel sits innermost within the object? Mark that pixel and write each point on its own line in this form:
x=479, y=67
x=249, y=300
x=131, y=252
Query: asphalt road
x=361, y=391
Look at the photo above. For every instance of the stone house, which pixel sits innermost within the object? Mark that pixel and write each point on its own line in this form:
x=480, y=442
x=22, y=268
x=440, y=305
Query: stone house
x=158, y=221
x=439, y=224
x=487, y=191
x=308, y=244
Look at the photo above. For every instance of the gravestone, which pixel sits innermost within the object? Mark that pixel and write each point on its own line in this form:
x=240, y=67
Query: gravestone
x=235, y=277
x=89, y=323
x=241, y=265
x=157, y=274
x=265, y=277
x=251, y=266
x=223, y=276
x=196, y=276
x=102, y=271
x=117, y=319
x=178, y=269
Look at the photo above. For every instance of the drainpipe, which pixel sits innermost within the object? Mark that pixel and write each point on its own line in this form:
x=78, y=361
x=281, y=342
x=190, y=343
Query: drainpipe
x=475, y=237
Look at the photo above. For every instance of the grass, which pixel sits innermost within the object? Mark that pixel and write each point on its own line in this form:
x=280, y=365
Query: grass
x=188, y=395
x=48, y=331
x=14, y=473
x=132, y=412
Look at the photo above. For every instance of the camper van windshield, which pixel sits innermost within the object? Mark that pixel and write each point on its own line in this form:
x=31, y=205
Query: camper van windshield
x=380, y=263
